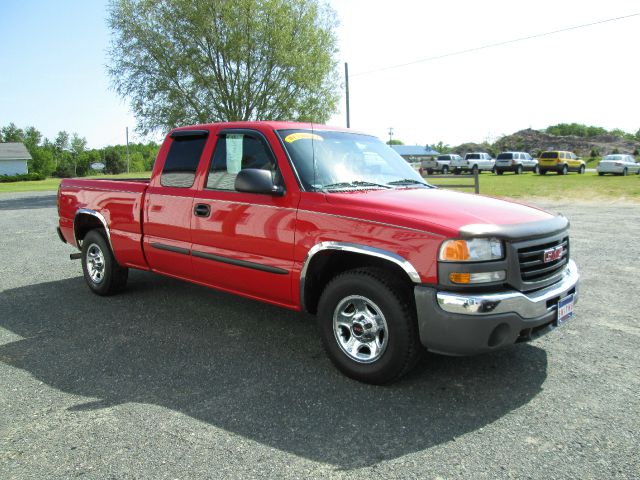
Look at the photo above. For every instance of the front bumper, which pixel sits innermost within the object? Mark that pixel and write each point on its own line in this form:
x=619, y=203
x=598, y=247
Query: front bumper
x=467, y=324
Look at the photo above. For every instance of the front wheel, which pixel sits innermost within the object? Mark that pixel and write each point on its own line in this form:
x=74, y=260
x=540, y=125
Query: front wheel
x=625, y=172
x=101, y=271
x=368, y=326
x=582, y=170
x=500, y=172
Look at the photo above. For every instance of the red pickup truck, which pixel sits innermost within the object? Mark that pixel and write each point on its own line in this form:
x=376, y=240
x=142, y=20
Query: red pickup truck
x=334, y=223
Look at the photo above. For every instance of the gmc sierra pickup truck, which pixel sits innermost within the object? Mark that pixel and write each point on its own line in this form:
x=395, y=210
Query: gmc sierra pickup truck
x=334, y=223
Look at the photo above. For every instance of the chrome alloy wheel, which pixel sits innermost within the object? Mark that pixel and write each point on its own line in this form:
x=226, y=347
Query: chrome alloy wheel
x=95, y=263
x=360, y=329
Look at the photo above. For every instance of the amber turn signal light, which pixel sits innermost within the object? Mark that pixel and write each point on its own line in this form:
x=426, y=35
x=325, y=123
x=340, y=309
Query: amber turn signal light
x=455, y=251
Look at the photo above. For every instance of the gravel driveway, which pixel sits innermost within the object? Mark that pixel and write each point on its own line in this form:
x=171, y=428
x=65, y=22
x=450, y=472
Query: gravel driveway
x=171, y=380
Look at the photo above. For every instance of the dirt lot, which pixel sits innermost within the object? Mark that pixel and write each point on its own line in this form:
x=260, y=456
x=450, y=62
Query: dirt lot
x=171, y=380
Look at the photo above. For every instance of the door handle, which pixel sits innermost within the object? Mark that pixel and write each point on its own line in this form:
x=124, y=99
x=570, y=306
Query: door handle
x=202, y=210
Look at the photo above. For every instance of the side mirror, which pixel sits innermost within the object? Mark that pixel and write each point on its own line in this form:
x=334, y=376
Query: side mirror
x=254, y=180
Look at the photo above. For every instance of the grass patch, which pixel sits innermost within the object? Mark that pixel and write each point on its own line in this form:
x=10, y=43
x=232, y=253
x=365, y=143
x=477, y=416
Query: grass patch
x=589, y=186
x=51, y=183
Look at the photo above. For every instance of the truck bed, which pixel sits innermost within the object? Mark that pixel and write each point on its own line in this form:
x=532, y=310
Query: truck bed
x=119, y=203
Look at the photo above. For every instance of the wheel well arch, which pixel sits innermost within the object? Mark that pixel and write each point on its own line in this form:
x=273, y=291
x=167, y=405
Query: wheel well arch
x=328, y=259
x=86, y=220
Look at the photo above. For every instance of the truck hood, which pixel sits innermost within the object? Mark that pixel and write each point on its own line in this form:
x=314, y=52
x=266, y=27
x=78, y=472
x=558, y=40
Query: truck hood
x=435, y=210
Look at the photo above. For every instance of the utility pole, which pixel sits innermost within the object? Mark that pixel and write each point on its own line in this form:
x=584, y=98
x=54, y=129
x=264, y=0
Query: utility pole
x=127, y=149
x=390, y=134
x=346, y=84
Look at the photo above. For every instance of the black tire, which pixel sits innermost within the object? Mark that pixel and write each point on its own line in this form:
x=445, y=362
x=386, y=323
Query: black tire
x=402, y=348
x=601, y=174
x=536, y=170
x=493, y=170
x=108, y=279
x=474, y=169
x=518, y=169
x=445, y=169
x=564, y=170
x=500, y=172
x=456, y=171
x=542, y=172
x=625, y=172
x=429, y=171
x=582, y=170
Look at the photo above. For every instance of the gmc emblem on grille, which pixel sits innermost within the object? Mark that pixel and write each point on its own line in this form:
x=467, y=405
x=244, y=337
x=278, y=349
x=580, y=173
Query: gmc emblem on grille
x=552, y=254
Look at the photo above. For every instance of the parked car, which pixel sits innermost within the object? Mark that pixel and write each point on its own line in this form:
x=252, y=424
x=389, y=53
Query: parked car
x=561, y=162
x=618, y=165
x=516, y=162
x=474, y=162
x=333, y=223
x=441, y=163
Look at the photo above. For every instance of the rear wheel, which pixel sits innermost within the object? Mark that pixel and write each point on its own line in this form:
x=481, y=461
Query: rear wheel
x=500, y=172
x=368, y=326
x=536, y=169
x=542, y=172
x=564, y=170
x=625, y=172
x=582, y=170
x=445, y=169
x=601, y=174
x=429, y=171
x=518, y=169
x=101, y=271
x=474, y=169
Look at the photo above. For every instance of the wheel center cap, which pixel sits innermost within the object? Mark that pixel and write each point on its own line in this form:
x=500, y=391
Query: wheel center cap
x=357, y=329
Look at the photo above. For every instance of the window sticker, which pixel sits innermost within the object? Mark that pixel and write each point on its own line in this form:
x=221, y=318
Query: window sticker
x=234, y=153
x=302, y=136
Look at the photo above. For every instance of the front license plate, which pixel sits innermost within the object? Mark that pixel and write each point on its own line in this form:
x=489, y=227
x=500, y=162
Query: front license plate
x=565, y=309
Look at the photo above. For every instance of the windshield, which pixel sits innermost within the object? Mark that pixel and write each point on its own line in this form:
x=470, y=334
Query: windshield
x=505, y=156
x=345, y=161
x=613, y=157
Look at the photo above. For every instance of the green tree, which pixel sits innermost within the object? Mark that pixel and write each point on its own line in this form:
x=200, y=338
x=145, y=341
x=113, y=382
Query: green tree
x=395, y=141
x=32, y=138
x=11, y=133
x=114, y=162
x=196, y=61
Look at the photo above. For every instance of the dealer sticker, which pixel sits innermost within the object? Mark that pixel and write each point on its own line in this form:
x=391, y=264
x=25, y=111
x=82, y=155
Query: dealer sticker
x=565, y=309
x=302, y=136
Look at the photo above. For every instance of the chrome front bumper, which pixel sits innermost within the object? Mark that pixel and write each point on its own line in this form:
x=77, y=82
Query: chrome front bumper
x=531, y=305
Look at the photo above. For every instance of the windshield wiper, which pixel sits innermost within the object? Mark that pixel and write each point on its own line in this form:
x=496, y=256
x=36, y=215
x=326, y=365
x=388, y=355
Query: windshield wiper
x=408, y=181
x=356, y=183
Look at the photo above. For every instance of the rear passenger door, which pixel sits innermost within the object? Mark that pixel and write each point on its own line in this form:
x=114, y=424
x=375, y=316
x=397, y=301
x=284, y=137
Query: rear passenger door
x=243, y=242
x=168, y=203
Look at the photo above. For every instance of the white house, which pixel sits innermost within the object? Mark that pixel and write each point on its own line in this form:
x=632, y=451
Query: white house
x=13, y=158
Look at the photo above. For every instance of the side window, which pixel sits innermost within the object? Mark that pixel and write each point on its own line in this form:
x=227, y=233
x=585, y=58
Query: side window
x=182, y=160
x=562, y=155
x=234, y=152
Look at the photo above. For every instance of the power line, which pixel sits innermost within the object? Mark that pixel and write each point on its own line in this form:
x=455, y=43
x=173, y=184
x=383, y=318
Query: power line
x=492, y=45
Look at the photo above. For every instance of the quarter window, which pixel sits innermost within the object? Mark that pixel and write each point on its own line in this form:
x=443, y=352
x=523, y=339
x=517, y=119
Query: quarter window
x=233, y=153
x=182, y=161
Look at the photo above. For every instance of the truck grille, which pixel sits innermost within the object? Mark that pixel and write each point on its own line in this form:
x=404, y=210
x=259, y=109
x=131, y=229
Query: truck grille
x=533, y=267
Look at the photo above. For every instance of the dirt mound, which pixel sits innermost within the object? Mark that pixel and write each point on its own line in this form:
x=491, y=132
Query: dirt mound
x=534, y=141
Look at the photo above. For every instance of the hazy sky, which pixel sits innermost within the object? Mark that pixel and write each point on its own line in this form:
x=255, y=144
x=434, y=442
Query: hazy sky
x=53, y=74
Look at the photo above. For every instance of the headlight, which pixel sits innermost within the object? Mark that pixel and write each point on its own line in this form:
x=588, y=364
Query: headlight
x=474, y=250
